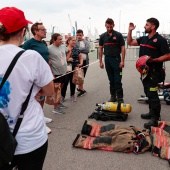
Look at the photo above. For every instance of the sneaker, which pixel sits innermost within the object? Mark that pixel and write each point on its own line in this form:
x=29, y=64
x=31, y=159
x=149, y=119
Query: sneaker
x=62, y=106
x=78, y=89
x=47, y=120
x=73, y=98
x=48, y=130
x=58, y=111
x=62, y=99
x=81, y=93
x=15, y=168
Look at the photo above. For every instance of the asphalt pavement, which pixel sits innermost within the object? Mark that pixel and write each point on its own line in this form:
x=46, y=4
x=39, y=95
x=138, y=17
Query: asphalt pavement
x=62, y=156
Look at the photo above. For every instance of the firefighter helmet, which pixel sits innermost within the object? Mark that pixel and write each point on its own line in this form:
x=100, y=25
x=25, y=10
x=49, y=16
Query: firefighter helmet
x=142, y=67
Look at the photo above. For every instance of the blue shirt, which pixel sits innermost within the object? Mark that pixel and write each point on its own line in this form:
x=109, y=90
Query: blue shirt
x=75, y=55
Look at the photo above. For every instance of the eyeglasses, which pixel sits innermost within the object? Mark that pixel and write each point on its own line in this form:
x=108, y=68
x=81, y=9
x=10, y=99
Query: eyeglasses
x=42, y=29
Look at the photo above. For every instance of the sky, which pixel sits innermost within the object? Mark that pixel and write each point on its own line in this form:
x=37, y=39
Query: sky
x=92, y=14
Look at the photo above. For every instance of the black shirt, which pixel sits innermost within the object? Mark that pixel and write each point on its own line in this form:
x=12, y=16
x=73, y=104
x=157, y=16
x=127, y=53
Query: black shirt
x=112, y=44
x=153, y=47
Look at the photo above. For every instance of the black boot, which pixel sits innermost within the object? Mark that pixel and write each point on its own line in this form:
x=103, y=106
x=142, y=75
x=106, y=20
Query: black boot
x=146, y=115
x=120, y=100
x=151, y=123
x=112, y=98
x=150, y=116
x=155, y=117
x=113, y=95
x=119, y=93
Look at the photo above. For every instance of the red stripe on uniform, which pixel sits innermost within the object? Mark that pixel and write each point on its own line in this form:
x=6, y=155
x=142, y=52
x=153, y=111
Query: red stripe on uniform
x=149, y=46
x=110, y=43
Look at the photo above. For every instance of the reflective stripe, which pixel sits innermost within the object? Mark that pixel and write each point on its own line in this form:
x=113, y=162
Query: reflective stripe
x=161, y=141
x=106, y=148
x=112, y=43
x=87, y=143
x=158, y=141
x=167, y=152
x=157, y=131
x=97, y=133
x=121, y=73
x=94, y=126
x=95, y=130
x=147, y=45
x=162, y=124
x=153, y=88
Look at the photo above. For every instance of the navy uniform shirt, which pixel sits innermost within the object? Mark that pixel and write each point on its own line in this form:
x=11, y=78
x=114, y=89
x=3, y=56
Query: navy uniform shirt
x=153, y=47
x=112, y=44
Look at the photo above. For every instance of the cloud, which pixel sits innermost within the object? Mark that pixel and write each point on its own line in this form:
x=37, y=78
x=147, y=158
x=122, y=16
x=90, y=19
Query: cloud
x=55, y=13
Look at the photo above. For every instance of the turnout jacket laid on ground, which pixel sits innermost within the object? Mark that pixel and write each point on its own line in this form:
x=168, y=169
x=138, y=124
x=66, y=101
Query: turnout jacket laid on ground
x=113, y=138
x=126, y=139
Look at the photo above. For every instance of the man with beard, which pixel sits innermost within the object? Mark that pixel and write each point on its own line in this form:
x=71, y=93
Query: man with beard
x=113, y=44
x=153, y=45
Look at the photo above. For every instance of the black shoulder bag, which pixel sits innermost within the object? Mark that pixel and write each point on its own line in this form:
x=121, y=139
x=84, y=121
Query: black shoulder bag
x=8, y=142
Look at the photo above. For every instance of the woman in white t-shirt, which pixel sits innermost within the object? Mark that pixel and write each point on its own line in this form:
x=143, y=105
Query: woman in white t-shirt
x=29, y=69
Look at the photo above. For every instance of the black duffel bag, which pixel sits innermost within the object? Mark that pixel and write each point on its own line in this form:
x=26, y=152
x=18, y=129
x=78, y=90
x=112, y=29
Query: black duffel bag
x=108, y=116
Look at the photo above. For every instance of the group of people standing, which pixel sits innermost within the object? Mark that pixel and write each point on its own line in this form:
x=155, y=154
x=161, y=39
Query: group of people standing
x=44, y=66
x=153, y=45
x=74, y=52
x=40, y=65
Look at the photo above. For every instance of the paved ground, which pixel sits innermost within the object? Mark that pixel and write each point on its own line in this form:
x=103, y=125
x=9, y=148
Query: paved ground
x=62, y=156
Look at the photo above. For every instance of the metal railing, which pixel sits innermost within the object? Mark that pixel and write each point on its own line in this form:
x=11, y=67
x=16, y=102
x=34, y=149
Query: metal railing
x=132, y=53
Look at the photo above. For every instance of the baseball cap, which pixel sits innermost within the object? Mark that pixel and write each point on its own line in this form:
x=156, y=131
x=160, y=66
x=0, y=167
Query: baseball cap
x=13, y=19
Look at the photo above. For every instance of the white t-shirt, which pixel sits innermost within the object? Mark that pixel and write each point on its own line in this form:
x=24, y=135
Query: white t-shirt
x=30, y=68
x=82, y=45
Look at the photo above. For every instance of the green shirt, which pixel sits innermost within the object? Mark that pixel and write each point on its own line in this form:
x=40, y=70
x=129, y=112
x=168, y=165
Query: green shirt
x=38, y=46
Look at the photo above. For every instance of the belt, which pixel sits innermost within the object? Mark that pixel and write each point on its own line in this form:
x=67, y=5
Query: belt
x=113, y=56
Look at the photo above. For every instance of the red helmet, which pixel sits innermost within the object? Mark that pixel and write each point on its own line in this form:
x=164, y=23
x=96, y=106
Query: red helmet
x=141, y=65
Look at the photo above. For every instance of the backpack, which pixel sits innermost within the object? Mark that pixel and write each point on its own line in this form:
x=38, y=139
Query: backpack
x=8, y=142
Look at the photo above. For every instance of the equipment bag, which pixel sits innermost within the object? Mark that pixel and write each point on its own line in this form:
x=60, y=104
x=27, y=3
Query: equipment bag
x=8, y=142
x=106, y=116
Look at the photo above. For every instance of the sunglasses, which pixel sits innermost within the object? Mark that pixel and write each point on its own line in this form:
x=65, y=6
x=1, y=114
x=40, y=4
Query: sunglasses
x=42, y=29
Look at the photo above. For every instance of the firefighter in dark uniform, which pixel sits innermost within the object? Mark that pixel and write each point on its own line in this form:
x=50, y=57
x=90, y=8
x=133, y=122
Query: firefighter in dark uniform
x=153, y=45
x=113, y=44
